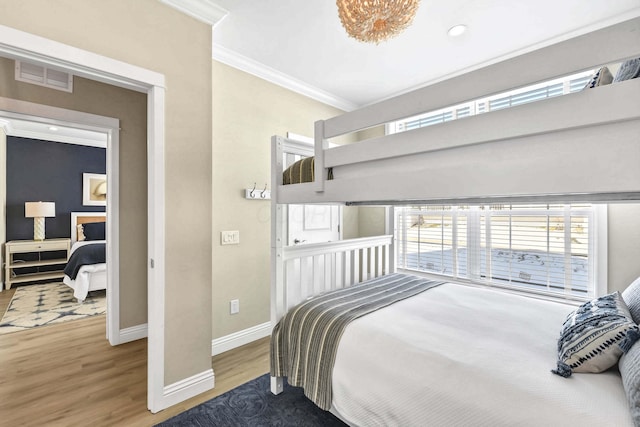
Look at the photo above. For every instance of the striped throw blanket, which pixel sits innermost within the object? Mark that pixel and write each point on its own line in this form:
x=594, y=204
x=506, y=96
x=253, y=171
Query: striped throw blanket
x=305, y=341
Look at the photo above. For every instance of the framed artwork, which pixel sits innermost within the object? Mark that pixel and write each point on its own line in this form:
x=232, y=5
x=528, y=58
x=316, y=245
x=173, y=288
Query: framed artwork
x=94, y=189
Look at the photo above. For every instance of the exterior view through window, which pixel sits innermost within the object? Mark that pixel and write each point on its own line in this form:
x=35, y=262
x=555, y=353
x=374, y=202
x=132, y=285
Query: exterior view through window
x=541, y=248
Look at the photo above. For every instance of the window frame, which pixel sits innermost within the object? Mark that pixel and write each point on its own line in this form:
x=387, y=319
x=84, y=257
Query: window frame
x=597, y=252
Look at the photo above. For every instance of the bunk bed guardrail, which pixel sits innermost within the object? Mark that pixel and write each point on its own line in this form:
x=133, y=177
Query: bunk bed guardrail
x=310, y=269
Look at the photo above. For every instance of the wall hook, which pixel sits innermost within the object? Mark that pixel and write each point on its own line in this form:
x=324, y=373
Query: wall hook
x=252, y=193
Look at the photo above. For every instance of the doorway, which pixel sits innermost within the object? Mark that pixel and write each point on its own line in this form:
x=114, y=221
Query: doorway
x=91, y=127
x=313, y=224
x=19, y=45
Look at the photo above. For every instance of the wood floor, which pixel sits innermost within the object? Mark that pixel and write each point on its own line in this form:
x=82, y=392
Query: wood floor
x=69, y=375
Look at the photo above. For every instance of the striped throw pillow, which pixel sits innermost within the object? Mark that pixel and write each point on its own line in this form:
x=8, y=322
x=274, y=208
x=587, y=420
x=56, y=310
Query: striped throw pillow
x=594, y=336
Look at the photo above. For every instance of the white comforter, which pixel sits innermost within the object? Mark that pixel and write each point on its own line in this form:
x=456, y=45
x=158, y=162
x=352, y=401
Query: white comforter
x=91, y=277
x=463, y=356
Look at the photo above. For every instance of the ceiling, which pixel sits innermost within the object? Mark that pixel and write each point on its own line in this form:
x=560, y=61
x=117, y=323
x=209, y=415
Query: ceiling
x=301, y=44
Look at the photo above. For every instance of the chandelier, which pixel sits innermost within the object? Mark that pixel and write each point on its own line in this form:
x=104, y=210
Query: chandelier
x=373, y=21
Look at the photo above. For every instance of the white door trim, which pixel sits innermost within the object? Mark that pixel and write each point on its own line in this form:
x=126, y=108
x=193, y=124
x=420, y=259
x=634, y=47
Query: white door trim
x=17, y=44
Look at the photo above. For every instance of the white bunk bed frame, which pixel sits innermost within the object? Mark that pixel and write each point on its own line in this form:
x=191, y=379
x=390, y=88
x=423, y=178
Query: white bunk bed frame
x=455, y=162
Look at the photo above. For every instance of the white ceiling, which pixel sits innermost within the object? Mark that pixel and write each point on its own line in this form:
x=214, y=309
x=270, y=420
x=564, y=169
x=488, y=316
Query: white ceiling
x=301, y=44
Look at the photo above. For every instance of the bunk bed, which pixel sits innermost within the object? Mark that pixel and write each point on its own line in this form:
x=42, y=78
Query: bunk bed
x=456, y=355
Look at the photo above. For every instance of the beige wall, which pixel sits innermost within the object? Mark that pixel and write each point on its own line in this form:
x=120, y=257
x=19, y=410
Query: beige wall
x=130, y=108
x=371, y=220
x=247, y=111
x=624, y=245
x=149, y=34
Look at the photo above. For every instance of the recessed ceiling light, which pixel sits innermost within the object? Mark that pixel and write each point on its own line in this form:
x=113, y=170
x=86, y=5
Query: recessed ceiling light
x=457, y=30
x=53, y=128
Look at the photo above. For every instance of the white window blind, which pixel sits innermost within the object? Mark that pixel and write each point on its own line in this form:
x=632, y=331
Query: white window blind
x=537, y=92
x=539, y=248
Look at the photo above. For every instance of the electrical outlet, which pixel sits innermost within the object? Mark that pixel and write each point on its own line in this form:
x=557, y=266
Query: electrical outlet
x=230, y=237
x=235, y=306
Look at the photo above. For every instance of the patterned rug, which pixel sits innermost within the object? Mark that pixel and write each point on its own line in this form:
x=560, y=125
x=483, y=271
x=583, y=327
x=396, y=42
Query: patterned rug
x=47, y=304
x=252, y=404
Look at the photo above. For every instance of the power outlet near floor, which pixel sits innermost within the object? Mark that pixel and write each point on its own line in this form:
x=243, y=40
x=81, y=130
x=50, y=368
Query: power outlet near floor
x=235, y=306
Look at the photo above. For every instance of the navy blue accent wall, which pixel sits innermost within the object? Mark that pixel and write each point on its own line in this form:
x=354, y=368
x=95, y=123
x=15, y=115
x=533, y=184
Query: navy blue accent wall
x=49, y=172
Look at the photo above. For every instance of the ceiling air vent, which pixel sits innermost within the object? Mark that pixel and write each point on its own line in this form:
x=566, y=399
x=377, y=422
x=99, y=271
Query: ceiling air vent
x=43, y=76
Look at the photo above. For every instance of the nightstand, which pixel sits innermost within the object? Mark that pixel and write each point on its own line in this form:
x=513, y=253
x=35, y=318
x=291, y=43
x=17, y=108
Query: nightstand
x=13, y=266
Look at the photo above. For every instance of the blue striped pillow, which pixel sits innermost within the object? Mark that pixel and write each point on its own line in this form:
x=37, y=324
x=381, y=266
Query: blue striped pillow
x=594, y=336
x=629, y=69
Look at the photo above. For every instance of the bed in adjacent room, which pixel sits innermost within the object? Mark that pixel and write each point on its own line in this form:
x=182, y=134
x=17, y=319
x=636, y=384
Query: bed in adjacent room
x=86, y=269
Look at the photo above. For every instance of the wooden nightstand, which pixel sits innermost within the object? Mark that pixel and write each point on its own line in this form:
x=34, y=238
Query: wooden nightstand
x=13, y=266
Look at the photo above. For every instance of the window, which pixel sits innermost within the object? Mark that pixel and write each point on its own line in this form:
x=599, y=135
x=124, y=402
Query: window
x=548, y=249
x=537, y=92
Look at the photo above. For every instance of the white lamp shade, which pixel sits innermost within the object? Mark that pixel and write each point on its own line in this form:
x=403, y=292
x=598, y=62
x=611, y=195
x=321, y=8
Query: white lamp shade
x=39, y=209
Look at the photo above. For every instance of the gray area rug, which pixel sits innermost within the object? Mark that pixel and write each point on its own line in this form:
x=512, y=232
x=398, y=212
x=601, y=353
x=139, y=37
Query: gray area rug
x=47, y=304
x=252, y=404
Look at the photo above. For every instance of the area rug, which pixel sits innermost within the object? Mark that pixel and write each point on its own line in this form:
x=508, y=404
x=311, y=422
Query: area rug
x=47, y=304
x=252, y=404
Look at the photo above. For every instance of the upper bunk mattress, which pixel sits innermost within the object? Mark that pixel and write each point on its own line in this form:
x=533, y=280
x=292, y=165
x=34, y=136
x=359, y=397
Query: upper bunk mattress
x=302, y=171
x=458, y=355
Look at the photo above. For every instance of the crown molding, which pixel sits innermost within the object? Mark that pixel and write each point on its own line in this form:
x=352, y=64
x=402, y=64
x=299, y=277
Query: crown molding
x=203, y=10
x=248, y=65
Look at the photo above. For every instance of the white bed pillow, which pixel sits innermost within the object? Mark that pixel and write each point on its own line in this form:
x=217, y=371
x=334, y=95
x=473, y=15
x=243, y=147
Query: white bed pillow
x=601, y=77
x=630, y=371
x=79, y=233
x=595, y=335
x=631, y=297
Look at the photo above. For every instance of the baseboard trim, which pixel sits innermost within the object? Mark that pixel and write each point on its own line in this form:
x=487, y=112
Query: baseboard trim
x=188, y=388
x=237, y=339
x=133, y=333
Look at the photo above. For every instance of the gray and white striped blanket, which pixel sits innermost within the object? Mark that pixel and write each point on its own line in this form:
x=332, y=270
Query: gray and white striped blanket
x=305, y=341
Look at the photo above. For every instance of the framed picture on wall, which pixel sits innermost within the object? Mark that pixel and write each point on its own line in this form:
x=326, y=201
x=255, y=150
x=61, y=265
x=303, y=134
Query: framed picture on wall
x=94, y=189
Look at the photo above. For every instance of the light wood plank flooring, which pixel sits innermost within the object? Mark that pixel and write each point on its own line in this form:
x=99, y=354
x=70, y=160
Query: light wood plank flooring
x=69, y=375
x=5, y=299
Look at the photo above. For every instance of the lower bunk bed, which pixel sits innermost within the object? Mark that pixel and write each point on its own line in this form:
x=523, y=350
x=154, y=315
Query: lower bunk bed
x=86, y=269
x=424, y=352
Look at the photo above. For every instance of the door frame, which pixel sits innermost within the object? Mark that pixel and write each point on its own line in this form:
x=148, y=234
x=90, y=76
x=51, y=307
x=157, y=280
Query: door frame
x=20, y=45
x=16, y=109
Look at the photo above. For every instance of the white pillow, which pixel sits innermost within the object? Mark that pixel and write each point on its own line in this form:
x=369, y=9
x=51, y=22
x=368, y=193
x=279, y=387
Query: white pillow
x=631, y=297
x=80, y=233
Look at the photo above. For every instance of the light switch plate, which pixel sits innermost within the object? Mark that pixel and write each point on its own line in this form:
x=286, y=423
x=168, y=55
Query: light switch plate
x=230, y=237
x=234, y=306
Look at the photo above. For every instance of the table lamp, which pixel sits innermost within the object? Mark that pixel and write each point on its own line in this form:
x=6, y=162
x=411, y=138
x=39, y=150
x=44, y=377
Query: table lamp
x=38, y=211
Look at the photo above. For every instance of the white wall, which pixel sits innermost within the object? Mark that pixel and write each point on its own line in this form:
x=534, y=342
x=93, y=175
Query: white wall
x=624, y=245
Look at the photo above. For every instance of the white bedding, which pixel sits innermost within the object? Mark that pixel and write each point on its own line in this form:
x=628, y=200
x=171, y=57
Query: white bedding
x=89, y=278
x=463, y=356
